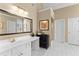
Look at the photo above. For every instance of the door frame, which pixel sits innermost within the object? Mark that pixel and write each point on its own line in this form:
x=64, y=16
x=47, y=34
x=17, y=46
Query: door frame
x=55, y=27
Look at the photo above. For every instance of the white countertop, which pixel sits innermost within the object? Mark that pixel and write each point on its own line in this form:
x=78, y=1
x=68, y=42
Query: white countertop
x=34, y=38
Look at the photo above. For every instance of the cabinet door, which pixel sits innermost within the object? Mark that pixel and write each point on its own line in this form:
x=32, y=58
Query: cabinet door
x=20, y=50
x=28, y=46
x=6, y=53
x=35, y=44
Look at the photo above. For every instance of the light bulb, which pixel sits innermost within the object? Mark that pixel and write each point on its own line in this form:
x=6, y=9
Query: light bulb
x=15, y=8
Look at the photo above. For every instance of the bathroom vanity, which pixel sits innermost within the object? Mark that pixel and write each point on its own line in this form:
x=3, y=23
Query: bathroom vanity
x=18, y=46
x=12, y=25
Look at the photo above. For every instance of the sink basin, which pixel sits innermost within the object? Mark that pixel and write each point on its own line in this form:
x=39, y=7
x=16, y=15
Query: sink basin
x=34, y=38
x=23, y=38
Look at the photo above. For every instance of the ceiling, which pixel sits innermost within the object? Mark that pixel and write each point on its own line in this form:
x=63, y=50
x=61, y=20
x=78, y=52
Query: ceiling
x=24, y=5
x=57, y=5
x=46, y=5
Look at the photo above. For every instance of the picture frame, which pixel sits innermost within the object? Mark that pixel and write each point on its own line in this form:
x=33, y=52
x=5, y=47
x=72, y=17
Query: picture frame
x=44, y=25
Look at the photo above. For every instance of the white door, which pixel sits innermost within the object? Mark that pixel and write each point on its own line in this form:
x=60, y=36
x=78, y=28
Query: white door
x=73, y=30
x=59, y=30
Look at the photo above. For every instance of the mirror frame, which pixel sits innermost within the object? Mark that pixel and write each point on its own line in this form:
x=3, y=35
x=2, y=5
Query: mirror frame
x=8, y=13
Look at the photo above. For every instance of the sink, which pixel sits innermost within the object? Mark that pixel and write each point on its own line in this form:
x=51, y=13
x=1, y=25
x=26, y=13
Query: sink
x=23, y=38
x=34, y=38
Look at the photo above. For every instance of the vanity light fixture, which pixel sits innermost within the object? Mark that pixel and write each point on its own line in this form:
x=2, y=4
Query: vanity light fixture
x=26, y=13
x=15, y=8
x=20, y=12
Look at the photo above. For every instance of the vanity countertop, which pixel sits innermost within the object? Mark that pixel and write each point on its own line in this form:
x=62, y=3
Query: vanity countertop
x=34, y=38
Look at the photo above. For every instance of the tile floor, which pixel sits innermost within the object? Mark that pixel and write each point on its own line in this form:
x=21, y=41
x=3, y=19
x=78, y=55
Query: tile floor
x=58, y=49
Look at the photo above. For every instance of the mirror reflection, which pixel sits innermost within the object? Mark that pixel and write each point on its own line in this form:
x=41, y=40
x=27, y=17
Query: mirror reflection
x=14, y=24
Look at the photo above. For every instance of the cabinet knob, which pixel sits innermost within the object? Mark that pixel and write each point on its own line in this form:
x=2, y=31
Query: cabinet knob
x=21, y=53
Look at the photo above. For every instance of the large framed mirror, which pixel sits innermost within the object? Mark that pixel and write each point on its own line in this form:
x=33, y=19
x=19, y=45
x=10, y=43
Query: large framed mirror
x=13, y=24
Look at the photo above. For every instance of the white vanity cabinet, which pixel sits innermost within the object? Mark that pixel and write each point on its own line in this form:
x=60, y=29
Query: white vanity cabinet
x=5, y=46
x=19, y=50
x=21, y=46
x=5, y=53
x=35, y=43
x=28, y=48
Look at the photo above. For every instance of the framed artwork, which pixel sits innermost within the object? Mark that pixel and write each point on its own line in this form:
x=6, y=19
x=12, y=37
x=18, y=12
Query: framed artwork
x=44, y=25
